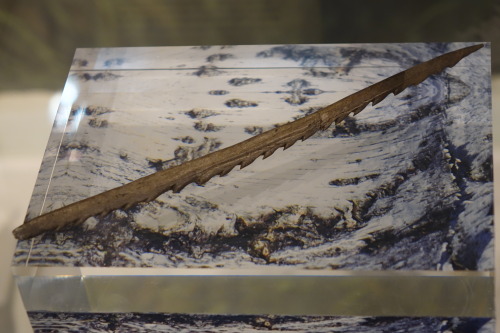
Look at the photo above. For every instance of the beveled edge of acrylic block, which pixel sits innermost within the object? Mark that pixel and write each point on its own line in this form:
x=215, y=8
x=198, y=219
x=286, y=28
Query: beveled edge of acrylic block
x=278, y=291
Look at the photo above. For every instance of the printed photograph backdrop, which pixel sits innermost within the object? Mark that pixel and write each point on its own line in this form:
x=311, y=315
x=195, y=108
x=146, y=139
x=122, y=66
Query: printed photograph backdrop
x=406, y=184
x=150, y=323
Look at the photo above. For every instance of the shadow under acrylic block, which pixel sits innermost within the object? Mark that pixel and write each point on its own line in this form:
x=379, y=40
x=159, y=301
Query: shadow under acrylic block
x=384, y=220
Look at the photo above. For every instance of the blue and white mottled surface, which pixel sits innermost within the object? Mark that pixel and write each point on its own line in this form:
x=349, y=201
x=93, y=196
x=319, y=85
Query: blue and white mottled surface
x=405, y=185
x=133, y=322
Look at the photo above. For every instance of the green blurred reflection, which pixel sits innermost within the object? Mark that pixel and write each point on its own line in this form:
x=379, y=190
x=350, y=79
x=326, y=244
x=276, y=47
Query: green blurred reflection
x=38, y=37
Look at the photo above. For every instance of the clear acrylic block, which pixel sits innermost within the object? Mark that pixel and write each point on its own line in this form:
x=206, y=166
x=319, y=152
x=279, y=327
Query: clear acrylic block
x=385, y=220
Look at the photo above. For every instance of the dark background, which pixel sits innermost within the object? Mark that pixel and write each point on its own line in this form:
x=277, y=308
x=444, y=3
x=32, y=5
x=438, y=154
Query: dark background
x=38, y=37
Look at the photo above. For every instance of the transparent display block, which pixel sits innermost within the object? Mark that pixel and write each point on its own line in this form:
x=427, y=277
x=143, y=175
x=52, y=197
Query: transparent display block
x=384, y=221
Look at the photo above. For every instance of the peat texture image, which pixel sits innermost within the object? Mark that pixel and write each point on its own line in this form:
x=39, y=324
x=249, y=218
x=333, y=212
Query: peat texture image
x=404, y=185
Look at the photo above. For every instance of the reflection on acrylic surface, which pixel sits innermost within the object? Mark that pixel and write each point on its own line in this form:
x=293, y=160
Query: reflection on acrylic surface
x=404, y=185
x=134, y=322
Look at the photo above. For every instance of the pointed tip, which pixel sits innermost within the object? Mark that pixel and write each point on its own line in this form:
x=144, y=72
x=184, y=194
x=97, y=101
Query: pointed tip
x=471, y=49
